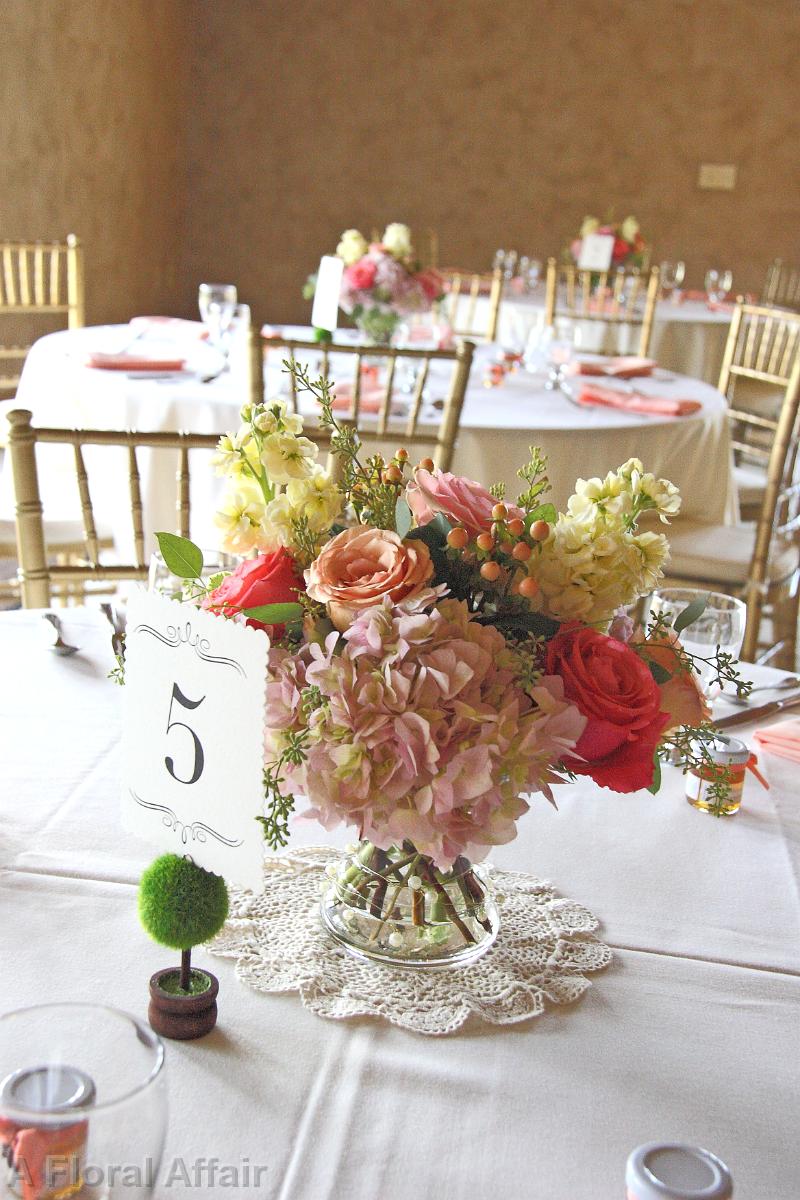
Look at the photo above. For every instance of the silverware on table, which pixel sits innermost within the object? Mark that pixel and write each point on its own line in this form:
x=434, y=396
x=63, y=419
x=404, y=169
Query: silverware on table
x=59, y=646
x=791, y=681
x=748, y=715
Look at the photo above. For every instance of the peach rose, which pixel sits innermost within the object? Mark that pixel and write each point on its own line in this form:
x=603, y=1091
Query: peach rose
x=681, y=696
x=462, y=501
x=360, y=566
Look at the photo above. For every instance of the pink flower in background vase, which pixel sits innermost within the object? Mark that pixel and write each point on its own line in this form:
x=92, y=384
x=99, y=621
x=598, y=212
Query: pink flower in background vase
x=462, y=501
x=361, y=275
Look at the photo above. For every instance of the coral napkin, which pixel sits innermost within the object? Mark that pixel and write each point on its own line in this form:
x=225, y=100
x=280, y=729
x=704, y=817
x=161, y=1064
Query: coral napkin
x=370, y=400
x=132, y=362
x=782, y=739
x=627, y=366
x=592, y=395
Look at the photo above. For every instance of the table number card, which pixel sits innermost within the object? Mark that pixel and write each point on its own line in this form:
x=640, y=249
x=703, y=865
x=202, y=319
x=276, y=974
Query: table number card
x=596, y=252
x=194, y=735
x=325, y=310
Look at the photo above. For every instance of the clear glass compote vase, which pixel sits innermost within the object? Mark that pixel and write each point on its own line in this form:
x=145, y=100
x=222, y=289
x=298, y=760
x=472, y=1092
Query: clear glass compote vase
x=396, y=906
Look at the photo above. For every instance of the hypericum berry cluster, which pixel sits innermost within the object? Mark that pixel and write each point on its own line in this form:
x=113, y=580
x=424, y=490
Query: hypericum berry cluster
x=505, y=552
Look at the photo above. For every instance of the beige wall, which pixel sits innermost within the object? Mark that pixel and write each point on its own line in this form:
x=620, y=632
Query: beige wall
x=499, y=122
x=91, y=140
x=185, y=139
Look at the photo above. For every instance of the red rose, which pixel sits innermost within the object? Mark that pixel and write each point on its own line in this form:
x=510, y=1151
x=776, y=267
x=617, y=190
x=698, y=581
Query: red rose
x=273, y=578
x=611, y=685
x=621, y=250
x=361, y=275
x=431, y=283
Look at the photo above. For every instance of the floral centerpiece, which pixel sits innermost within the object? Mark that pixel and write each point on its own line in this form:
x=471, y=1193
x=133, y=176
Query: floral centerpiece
x=383, y=282
x=440, y=655
x=629, y=245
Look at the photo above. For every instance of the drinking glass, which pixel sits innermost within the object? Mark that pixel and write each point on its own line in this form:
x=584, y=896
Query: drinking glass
x=217, y=304
x=720, y=626
x=537, y=347
x=160, y=578
x=672, y=276
x=718, y=284
x=83, y=1104
x=534, y=274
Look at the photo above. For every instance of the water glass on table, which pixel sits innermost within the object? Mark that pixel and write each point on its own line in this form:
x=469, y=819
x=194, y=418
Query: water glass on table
x=217, y=303
x=719, y=628
x=671, y=275
x=718, y=285
x=83, y=1104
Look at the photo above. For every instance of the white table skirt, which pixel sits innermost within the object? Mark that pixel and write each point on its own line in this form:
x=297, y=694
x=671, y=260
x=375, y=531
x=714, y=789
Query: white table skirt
x=690, y=1035
x=498, y=425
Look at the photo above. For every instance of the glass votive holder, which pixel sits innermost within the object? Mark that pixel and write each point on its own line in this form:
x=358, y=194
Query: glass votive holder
x=731, y=757
x=83, y=1105
x=670, y=1171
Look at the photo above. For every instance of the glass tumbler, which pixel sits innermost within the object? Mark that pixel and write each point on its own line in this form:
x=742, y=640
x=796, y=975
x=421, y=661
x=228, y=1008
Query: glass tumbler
x=83, y=1104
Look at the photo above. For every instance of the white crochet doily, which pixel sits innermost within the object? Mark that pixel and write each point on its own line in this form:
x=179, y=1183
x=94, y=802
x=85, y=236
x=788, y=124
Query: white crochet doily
x=544, y=948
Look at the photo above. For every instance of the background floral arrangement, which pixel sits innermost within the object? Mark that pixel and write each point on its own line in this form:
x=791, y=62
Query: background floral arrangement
x=382, y=282
x=443, y=654
x=629, y=245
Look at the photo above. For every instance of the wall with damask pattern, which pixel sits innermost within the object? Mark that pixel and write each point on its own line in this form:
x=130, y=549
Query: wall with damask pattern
x=188, y=139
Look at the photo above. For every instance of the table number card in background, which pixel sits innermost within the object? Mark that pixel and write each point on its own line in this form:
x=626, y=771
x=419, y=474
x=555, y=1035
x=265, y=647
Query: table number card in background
x=325, y=311
x=193, y=735
x=596, y=251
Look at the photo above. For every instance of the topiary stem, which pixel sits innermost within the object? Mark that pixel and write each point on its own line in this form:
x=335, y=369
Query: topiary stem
x=186, y=969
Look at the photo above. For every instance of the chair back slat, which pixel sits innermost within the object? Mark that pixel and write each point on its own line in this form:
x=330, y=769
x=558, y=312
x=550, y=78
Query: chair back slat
x=386, y=402
x=55, y=271
x=183, y=491
x=87, y=511
x=9, y=277
x=461, y=303
x=612, y=298
x=782, y=285
x=38, y=278
x=137, y=511
x=416, y=400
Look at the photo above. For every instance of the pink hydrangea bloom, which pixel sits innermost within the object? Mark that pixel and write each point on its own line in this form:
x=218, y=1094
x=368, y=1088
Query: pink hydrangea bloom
x=424, y=731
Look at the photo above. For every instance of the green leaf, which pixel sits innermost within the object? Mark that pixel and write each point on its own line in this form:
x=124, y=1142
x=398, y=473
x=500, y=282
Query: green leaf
x=402, y=517
x=690, y=613
x=656, y=784
x=440, y=525
x=181, y=556
x=544, y=512
x=659, y=673
x=275, y=614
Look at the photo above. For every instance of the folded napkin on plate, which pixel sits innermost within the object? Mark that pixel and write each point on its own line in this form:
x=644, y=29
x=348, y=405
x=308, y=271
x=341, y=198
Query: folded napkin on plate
x=592, y=395
x=370, y=400
x=132, y=362
x=168, y=325
x=626, y=366
x=782, y=739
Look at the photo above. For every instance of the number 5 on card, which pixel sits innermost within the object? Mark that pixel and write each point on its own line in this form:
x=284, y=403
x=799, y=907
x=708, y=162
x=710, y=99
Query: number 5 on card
x=193, y=735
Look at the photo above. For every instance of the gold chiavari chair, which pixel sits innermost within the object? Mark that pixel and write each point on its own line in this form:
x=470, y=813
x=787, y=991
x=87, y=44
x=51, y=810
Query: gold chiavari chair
x=381, y=425
x=38, y=576
x=460, y=304
x=782, y=285
x=38, y=279
x=617, y=299
x=761, y=351
x=757, y=561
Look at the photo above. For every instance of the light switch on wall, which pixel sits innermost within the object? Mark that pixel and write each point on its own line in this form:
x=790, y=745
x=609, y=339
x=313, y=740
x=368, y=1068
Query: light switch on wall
x=719, y=177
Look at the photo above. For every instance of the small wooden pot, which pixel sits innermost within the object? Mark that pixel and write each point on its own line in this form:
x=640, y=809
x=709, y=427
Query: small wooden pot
x=182, y=1016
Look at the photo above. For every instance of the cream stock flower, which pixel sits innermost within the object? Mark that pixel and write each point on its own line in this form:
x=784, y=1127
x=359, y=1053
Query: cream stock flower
x=286, y=456
x=352, y=246
x=234, y=451
x=274, y=417
x=316, y=498
x=240, y=517
x=590, y=225
x=397, y=239
x=629, y=229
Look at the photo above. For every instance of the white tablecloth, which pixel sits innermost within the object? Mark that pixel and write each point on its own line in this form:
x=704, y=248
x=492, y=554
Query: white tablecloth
x=688, y=337
x=498, y=425
x=690, y=1035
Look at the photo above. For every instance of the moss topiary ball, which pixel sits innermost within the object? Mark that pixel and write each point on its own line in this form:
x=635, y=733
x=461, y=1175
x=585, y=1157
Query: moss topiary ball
x=180, y=904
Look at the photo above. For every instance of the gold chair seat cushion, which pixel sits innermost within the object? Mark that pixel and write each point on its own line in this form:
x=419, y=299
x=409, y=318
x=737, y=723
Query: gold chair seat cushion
x=723, y=553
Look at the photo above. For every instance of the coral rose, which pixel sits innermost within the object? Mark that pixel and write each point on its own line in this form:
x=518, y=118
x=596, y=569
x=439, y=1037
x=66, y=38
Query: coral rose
x=360, y=276
x=462, y=501
x=273, y=578
x=361, y=566
x=611, y=685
